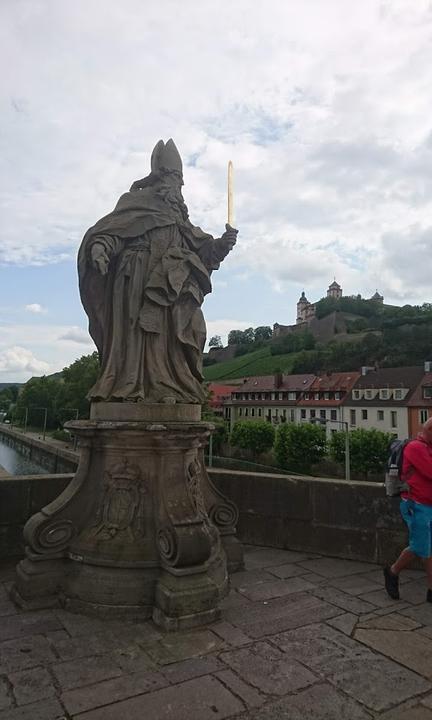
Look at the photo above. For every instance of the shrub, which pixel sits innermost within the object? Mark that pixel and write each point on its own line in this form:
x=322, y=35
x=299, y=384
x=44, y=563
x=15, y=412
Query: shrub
x=257, y=436
x=61, y=434
x=368, y=450
x=298, y=447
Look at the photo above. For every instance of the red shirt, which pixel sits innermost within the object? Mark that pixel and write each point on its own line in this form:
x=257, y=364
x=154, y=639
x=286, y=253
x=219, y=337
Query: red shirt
x=417, y=471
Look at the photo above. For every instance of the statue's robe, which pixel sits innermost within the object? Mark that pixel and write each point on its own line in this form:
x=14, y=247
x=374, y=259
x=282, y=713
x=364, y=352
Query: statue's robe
x=145, y=314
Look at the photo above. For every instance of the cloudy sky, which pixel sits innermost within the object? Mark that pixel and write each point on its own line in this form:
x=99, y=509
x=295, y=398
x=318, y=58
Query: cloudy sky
x=324, y=107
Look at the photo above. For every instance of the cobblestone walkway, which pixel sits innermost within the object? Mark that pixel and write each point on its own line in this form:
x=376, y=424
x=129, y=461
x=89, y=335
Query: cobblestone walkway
x=302, y=637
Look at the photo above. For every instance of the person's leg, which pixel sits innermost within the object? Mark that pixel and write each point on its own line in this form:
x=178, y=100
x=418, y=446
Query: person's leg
x=391, y=572
x=404, y=561
x=427, y=562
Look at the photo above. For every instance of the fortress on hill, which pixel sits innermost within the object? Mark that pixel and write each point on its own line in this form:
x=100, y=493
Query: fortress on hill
x=326, y=328
x=306, y=309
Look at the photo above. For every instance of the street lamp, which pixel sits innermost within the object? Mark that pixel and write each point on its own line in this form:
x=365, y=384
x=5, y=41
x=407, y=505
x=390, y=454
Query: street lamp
x=76, y=411
x=45, y=419
x=324, y=421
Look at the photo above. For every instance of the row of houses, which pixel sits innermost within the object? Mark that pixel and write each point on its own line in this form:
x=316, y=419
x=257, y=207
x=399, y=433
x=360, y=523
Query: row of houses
x=395, y=400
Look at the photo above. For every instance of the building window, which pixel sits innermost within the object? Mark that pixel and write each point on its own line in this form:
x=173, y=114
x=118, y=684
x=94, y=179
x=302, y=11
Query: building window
x=253, y=412
x=240, y=411
x=252, y=396
x=393, y=418
x=312, y=413
x=291, y=396
x=323, y=414
x=353, y=417
x=292, y=415
x=384, y=394
x=337, y=395
x=398, y=394
x=303, y=414
x=246, y=411
x=380, y=415
x=368, y=394
x=364, y=414
x=427, y=393
x=333, y=414
x=326, y=396
x=356, y=394
x=423, y=416
x=316, y=396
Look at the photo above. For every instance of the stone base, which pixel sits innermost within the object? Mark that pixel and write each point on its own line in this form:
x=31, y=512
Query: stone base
x=184, y=622
x=140, y=531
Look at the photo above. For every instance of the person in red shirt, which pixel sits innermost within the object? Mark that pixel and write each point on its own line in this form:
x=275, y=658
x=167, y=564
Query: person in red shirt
x=416, y=510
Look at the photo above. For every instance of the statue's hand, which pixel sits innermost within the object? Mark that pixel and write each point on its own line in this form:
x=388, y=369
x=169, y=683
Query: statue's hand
x=229, y=238
x=100, y=259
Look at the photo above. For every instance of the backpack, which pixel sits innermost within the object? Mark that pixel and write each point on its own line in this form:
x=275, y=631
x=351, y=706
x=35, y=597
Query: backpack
x=394, y=484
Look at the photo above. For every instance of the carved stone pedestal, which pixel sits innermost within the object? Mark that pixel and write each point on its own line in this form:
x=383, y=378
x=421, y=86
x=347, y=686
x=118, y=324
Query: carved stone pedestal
x=140, y=530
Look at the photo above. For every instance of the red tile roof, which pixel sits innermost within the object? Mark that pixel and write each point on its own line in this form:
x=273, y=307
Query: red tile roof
x=219, y=393
x=334, y=381
x=417, y=399
x=267, y=383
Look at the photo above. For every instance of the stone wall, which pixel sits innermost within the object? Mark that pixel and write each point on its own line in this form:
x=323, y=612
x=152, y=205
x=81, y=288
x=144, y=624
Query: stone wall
x=53, y=459
x=348, y=520
x=21, y=497
x=353, y=520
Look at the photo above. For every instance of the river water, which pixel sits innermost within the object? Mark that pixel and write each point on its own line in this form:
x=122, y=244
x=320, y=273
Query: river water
x=16, y=464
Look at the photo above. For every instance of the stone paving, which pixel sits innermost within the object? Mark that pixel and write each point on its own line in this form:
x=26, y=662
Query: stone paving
x=302, y=637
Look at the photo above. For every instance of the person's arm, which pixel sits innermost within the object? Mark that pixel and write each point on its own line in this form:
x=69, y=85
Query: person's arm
x=213, y=250
x=419, y=457
x=102, y=249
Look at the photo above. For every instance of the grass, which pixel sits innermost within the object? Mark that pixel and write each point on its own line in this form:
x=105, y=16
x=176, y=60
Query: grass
x=260, y=362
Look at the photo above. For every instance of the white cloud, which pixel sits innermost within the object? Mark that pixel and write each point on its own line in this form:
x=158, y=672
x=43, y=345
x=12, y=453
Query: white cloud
x=19, y=361
x=324, y=109
x=223, y=327
x=35, y=308
x=40, y=341
x=77, y=335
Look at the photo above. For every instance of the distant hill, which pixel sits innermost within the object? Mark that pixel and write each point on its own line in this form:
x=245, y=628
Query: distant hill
x=3, y=386
x=260, y=362
x=346, y=334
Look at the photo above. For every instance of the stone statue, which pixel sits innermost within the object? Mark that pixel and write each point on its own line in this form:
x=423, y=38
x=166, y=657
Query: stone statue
x=144, y=270
x=141, y=530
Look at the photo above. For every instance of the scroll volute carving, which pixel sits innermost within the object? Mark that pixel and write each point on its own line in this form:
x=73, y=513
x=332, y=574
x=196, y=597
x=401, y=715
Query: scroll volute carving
x=184, y=538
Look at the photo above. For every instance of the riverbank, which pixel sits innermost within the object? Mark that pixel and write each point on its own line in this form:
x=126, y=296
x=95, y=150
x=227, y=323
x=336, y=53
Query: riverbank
x=52, y=455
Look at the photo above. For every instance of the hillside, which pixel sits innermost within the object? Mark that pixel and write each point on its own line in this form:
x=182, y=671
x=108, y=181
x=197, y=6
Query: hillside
x=357, y=333
x=260, y=362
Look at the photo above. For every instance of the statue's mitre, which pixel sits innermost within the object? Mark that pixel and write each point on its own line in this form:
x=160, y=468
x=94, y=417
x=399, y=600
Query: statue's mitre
x=165, y=156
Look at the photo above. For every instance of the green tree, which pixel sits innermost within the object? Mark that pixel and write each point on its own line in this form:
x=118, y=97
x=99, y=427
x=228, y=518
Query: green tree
x=235, y=337
x=78, y=379
x=248, y=336
x=215, y=341
x=368, y=450
x=263, y=332
x=257, y=436
x=298, y=447
x=42, y=392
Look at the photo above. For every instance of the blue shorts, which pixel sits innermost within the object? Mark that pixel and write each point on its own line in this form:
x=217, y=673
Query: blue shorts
x=418, y=517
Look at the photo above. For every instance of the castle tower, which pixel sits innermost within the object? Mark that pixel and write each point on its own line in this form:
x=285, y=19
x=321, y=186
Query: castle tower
x=334, y=290
x=302, y=306
x=377, y=297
